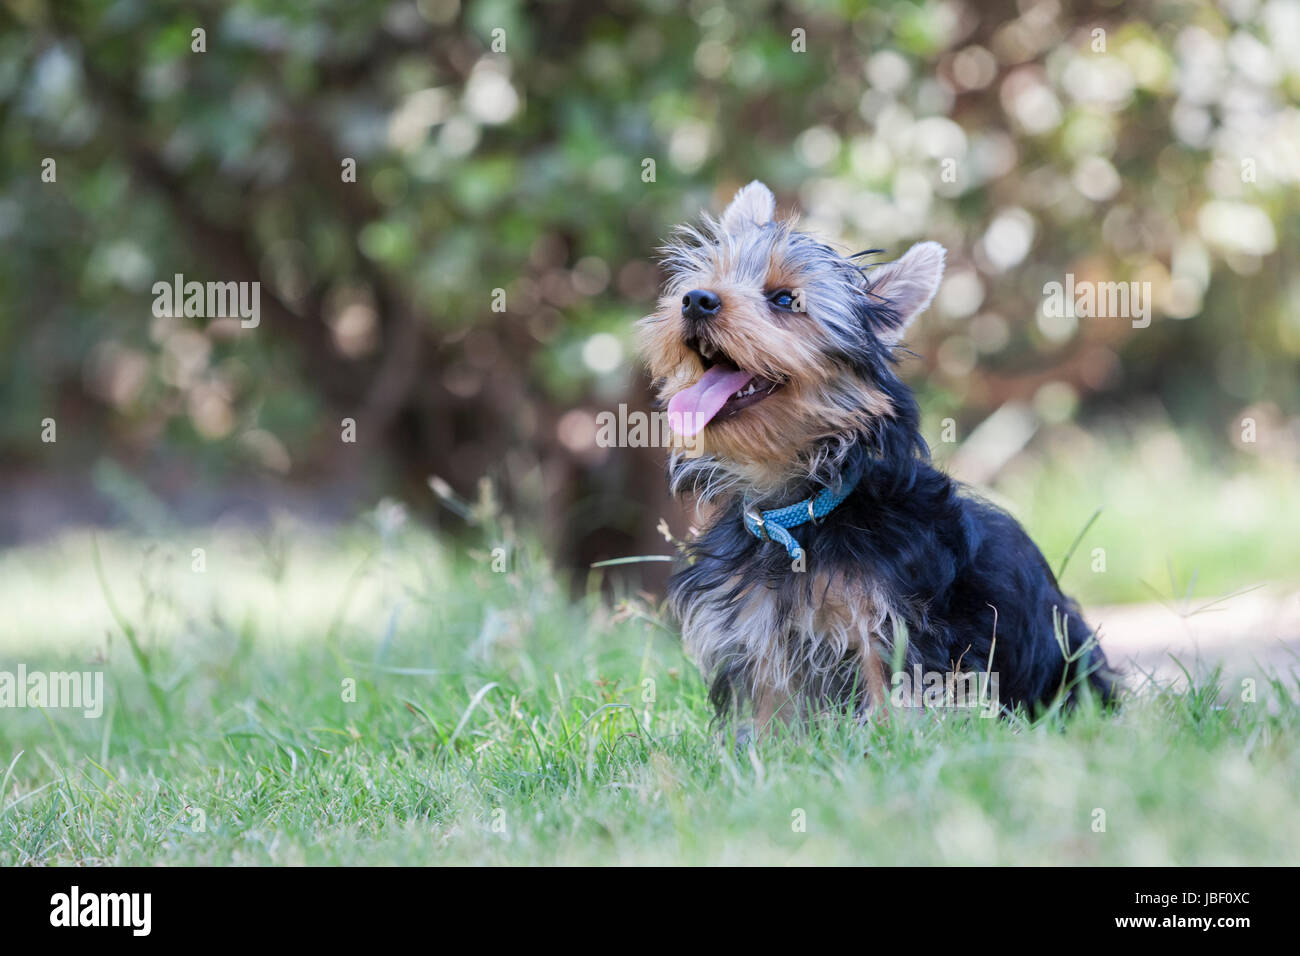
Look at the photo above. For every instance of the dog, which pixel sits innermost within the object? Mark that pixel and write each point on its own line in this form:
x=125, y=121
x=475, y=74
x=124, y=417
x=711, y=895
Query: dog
x=833, y=551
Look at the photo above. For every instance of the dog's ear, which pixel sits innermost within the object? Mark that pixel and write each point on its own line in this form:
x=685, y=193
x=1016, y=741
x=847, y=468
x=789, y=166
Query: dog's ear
x=753, y=205
x=906, y=287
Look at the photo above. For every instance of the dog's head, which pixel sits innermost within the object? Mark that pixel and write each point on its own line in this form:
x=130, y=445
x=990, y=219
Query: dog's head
x=771, y=350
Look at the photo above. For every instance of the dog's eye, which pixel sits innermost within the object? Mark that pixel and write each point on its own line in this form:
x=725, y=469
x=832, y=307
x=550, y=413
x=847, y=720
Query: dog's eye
x=781, y=298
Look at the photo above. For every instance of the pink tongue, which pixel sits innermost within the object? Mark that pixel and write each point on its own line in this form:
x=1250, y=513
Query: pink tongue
x=692, y=408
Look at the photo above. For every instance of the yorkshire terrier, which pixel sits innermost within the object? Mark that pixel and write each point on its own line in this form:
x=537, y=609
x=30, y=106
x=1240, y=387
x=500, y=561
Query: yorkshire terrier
x=834, y=554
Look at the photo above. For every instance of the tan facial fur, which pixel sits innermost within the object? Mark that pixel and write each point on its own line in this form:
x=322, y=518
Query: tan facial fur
x=768, y=444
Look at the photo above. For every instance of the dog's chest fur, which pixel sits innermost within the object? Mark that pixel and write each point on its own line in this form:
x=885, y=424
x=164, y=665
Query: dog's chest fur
x=781, y=634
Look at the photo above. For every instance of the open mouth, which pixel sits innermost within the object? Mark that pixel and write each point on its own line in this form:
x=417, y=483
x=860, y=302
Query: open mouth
x=723, y=390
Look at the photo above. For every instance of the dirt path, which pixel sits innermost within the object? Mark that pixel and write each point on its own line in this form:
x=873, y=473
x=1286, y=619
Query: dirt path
x=1248, y=634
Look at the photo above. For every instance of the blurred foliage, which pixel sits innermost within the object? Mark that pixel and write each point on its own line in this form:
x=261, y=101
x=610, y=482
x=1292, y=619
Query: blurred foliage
x=1149, y=141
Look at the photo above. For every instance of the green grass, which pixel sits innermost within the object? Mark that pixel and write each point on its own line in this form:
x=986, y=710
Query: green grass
x=499, y=720
x=1172, y=516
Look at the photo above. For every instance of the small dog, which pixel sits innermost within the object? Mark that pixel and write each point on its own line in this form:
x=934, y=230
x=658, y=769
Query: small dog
x=833, y=549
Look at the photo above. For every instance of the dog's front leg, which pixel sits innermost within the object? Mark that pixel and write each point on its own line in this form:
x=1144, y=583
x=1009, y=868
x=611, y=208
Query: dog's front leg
x=770, y=706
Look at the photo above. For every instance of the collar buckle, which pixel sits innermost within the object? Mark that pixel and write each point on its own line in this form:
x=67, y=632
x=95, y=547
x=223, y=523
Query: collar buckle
x=812, y=516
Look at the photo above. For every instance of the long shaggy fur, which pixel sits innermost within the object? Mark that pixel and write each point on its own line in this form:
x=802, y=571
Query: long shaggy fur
x=910, y=565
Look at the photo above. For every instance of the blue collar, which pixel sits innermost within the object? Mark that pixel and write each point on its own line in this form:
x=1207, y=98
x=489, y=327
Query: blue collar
x=772, y=525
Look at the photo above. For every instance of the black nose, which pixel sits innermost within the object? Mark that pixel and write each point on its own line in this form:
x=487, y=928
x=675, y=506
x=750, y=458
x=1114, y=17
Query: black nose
x=700, y=304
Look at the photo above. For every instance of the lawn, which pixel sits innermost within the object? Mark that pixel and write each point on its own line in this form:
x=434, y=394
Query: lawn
x=379, y=694
x=384, y=693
